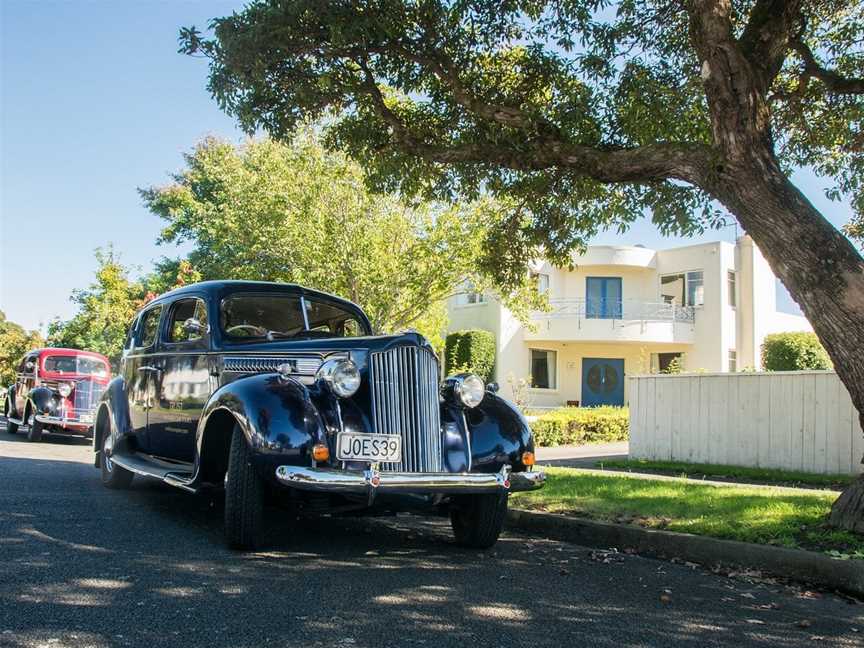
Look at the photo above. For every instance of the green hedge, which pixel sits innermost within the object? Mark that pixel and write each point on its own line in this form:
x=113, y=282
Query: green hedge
x=578, y=425
x=793, y=352
x=471, y=351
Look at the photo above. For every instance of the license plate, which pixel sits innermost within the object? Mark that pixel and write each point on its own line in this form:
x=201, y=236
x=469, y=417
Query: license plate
x=86, y=418
x=383, y=448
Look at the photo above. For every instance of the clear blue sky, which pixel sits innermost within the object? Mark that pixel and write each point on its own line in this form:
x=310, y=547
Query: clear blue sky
x=95, y=102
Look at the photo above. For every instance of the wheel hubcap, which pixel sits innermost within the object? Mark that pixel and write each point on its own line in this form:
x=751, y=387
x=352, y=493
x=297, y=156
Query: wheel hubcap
x=107, y=446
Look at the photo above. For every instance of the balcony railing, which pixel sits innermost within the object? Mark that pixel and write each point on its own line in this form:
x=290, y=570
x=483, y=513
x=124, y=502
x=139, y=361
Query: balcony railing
x=628, y=309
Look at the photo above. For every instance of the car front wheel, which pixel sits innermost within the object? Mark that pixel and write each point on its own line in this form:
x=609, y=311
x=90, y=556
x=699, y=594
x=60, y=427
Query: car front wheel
x=244, y=496
x=34, y=429
x=113, y=476
x=477, y=520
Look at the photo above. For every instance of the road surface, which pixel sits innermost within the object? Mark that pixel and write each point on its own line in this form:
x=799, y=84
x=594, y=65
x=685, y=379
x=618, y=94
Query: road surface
x=84, y=566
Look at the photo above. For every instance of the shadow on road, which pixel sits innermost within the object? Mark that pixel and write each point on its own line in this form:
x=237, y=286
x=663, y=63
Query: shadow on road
x=84, y=565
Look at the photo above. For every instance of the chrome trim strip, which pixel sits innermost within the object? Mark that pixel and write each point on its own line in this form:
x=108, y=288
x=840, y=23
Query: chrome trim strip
x=355, y=481
x=306, y=366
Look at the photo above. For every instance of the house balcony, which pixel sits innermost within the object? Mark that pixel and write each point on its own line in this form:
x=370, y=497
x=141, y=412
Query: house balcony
x=627, y=321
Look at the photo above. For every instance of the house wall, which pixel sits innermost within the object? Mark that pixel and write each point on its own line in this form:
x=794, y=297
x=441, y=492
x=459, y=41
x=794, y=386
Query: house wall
x=802, y=420
x=718, y=327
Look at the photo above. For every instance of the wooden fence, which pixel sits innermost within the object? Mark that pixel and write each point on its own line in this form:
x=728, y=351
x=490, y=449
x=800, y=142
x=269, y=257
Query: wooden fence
x=801, y=420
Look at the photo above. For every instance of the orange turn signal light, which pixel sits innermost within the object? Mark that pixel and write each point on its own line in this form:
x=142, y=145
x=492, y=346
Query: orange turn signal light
x=528, y=458
x=320, y=452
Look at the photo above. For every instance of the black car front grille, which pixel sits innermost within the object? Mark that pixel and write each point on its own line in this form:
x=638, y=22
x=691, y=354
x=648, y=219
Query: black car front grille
x=404, y=384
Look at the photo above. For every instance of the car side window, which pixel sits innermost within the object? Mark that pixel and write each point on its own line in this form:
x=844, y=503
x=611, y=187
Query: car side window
x=188, y=321
x=149, y=327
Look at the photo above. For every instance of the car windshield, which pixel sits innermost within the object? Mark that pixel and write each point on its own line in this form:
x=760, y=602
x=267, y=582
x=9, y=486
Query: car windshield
x=279, y=317
x=76, y=365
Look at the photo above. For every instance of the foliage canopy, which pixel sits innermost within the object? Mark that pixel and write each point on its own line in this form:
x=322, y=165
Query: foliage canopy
x=295, y=212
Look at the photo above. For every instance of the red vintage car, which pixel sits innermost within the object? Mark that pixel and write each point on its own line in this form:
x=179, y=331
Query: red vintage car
x=57, y=391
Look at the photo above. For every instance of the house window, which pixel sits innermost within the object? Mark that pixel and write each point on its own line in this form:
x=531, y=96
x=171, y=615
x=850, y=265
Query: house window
x=667, y=363
x=471, y=295
x=733, y=360
x=733, y=302
x=542, y=283
x=544, y=369
x=683, y=289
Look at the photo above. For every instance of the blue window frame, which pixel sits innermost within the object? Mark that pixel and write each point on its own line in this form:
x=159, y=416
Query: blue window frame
x=603, y=297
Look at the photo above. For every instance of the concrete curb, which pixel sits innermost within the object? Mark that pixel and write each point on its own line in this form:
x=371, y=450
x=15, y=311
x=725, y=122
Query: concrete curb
x=795, y=564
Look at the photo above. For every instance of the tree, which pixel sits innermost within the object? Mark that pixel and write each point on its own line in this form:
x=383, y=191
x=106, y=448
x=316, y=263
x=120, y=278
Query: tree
x=15, y=341
x=794, y=351
x=104, y=310
x=294, y=212
x=585, y=113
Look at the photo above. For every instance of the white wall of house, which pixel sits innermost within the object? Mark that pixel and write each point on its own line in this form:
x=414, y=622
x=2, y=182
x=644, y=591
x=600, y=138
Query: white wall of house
x=719, y=333
x=800, y=420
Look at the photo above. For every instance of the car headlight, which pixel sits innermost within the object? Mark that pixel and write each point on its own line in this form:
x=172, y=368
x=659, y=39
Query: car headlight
x=341, y=375
x=65, y=389
x=470, y=389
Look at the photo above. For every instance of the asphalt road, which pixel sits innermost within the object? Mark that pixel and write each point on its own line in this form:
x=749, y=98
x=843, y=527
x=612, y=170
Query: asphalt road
x=84, y=566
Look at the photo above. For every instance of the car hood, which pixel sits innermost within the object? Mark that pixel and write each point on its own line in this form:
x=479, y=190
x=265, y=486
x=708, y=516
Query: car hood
x=370, y=343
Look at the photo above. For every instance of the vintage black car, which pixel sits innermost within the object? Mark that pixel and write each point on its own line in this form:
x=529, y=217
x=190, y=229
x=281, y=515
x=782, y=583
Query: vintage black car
x=265, y=388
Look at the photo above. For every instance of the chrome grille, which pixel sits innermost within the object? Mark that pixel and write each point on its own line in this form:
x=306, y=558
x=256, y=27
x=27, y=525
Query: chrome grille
x=304, y=366
x=405, y=402
x=86, y=395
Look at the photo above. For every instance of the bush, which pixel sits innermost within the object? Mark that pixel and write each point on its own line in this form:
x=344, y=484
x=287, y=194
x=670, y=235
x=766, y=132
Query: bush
x=471, y=351
x=579, y=425
x=793, y=352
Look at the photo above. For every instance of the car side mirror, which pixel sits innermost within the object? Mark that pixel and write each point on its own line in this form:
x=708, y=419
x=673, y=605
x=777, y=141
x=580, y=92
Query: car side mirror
x=194, y=327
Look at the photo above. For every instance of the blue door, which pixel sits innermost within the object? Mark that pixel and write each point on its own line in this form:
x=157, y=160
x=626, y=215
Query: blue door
x=603, y=297
x=602, y=381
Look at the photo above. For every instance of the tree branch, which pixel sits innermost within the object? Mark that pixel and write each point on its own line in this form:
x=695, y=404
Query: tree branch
x=765, y=40
x=834, y=82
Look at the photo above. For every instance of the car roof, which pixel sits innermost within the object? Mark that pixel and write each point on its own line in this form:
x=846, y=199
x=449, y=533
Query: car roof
x=62, y=351
x=217, y=288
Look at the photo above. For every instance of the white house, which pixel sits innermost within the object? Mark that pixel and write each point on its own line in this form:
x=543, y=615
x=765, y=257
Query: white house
x=626, y=310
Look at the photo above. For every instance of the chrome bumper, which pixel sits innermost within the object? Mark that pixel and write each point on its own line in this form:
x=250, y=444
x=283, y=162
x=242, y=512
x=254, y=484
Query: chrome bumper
x=371, y=481
x=62, y=420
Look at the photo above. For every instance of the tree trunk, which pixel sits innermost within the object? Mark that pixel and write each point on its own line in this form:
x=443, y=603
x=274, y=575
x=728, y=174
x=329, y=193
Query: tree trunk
x=821, y=269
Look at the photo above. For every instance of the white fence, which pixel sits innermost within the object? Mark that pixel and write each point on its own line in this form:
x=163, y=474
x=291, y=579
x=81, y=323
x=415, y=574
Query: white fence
x=802, y=420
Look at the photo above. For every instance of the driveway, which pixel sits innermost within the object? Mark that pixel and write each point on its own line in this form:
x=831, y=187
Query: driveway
x=85, y=566
x=585, y=456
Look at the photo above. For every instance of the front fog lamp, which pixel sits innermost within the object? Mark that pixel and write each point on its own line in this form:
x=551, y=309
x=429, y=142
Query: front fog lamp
x=65, y=389
x=342, y=376
x=470, y=390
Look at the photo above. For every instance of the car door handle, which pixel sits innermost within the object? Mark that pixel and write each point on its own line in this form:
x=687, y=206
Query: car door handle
x=147, y=368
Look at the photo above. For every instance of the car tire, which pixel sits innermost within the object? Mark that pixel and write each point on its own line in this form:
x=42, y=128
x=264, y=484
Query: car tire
x=113, y=476
x=477, y=520
x=34, y=429
x=244, y=496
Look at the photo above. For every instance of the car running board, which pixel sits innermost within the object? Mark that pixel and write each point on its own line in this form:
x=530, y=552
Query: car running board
x=178, y=474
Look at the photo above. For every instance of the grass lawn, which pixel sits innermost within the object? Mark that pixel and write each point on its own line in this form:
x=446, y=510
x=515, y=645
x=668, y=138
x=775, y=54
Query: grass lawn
x=708, y=471
x=747, y=513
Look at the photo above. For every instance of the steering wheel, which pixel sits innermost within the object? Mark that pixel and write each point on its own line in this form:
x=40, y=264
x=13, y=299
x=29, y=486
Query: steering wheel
x=253, y=330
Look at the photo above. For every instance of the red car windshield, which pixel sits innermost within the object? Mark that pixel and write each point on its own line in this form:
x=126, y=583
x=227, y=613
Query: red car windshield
x=81, y=365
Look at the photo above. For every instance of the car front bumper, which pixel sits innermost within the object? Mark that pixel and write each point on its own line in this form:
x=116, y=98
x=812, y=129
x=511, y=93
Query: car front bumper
x=65, y=422
x=372, y=481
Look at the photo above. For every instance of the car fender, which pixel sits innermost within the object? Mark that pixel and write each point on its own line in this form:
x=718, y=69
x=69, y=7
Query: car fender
x=499, y=435
x=115, y=406
x=40, y=399
x=276, y=415
x=10, y=403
